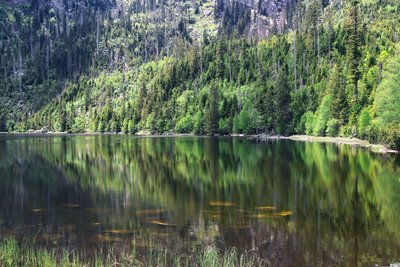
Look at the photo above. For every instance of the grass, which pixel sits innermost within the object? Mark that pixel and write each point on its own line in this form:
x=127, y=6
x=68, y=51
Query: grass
x=14, y=254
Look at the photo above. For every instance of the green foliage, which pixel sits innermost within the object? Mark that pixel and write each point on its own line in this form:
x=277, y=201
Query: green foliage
x=391, y=137
x=198, y=122
x=249, y=120
x=332, y=128
x=337, y=88
x=364, y=123
x=211, y=114
x=79, y=125
x=387, y=104
x=224, y=126
x=322, y=116
x=185, y=125
x=387, y=99
x=281, y=104
x=309, y=122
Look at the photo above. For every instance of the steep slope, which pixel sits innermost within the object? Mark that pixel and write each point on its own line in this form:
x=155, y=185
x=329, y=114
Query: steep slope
x=265, y=17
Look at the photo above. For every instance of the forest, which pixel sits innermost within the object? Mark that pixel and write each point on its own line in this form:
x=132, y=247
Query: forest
x=330, y=69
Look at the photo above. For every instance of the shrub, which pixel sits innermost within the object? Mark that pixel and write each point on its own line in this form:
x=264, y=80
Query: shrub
x=10, y=124
x=131, y=127
x=224, y=126
x=322, y=116
x=332, y=128
x=236, y=124
x=391, y=137
x=198, y=123
x=185, y=124
x=79, y=125
x=309, y=122
x=364, y=123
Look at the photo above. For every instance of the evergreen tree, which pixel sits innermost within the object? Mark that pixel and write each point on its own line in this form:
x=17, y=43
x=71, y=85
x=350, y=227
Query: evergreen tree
x=353, y=46
x=212, y=116
x=337, y=87
x=281, y=103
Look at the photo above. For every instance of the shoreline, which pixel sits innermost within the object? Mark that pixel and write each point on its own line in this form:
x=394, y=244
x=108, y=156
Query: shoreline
x=355, y=142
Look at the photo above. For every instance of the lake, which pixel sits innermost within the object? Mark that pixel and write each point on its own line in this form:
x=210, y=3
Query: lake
x=292, y=203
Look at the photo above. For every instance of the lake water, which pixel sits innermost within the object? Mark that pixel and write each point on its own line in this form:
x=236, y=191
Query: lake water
x=293, y=203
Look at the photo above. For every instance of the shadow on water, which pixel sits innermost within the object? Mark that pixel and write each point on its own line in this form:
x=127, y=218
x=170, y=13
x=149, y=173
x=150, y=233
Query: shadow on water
x=293, y=203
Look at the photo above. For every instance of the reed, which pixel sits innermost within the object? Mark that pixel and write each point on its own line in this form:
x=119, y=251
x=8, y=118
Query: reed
x=14, y=254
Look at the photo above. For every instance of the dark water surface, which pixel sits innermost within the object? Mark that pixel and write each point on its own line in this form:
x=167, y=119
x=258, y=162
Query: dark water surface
x=294, y=203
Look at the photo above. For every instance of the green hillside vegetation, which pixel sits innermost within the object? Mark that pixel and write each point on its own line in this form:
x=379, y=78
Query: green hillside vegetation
x=333, y=73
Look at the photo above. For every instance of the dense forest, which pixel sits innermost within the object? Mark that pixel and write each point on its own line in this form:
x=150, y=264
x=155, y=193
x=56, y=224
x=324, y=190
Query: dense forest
x=315, y=67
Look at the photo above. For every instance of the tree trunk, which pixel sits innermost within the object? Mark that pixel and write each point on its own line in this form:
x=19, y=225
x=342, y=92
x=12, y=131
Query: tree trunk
x=295, y=61
x=48, y=58
x=20, y=72
x=318, y=44
x=97, y=31
x=14, y=65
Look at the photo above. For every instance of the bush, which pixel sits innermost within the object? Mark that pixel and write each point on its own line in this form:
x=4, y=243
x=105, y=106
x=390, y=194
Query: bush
x=10, y=124
x=79, y=125
x=309, y=122
x=391, y=137
x=224, y=126
x=113, y=127
x=322, y=116
x=131, y=127
x=150, y=122
x=198, y=123
x=332, y=128
x=125, y=126
x=184, y=125
x=373, y=133
x=248, y=121
x=364, y=123
x=236, y=124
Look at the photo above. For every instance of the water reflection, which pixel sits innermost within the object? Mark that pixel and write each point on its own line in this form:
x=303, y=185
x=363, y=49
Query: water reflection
x=294, y=203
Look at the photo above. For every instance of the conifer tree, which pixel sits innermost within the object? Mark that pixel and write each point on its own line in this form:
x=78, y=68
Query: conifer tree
x=353, y=46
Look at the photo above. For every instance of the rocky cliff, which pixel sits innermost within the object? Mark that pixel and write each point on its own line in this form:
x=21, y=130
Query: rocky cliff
x=265, y=16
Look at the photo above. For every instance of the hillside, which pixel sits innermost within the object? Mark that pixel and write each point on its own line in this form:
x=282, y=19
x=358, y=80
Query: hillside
x=280, y=67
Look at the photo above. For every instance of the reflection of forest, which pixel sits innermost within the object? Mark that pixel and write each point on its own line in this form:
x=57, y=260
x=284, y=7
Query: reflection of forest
x=343, y=200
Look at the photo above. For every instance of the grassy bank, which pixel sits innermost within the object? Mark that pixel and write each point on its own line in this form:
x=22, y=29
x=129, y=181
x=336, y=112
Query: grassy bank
x=14, y=254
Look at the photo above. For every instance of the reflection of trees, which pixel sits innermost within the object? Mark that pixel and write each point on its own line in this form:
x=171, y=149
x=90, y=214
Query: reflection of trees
x=342, y=206
x=342, y=197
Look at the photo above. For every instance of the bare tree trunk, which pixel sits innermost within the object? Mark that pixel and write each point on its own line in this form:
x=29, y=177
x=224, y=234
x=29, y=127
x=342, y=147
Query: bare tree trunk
x=295, y=61
x=57, y=28
x=31, y=42
x=69, y=63
x=97, y=30
x=201, y=60
x=48, y=58
x=14, y=64
x=67, y=25
x=318, y=44
x=329, y=45
x=380, y=72
x=20, y=72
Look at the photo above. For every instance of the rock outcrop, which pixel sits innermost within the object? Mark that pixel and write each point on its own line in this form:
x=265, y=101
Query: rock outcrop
x=266, y=16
